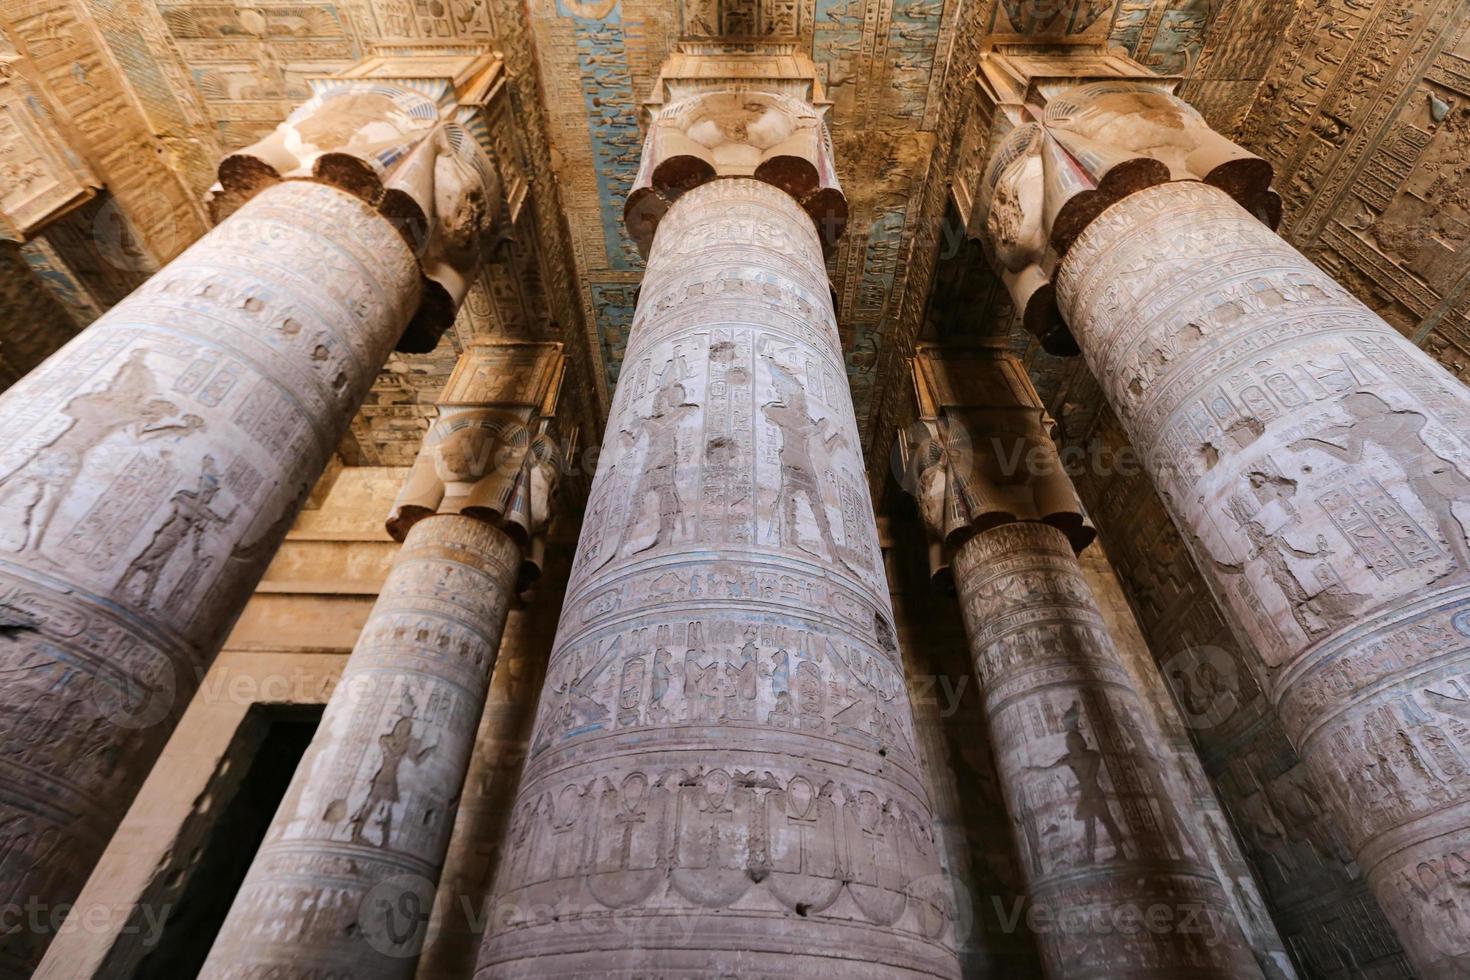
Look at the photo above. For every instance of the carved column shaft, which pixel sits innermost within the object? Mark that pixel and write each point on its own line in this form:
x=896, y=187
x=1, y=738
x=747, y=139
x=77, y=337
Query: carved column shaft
x=722, y=776
x=149, y=470
x=1119, y=884
x=151, y=467
x=1319, y=466
x=345, y=879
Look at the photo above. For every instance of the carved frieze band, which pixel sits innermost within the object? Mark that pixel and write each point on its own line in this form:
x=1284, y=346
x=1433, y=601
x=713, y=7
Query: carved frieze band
x=724, y=739
x=344, y=881
x=149, y=470
x=1317, y=463
x=1099, y=828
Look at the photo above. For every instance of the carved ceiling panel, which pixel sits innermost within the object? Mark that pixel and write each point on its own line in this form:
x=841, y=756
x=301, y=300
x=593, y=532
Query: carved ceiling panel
x=1363, y=109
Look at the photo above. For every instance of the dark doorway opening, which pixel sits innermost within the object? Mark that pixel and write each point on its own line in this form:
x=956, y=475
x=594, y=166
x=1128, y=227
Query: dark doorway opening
x=244, y=795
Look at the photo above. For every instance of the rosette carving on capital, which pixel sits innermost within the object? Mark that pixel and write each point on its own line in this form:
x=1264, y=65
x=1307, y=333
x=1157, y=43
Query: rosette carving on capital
x=1090, y=147
x=778, y=139
x=404, y=154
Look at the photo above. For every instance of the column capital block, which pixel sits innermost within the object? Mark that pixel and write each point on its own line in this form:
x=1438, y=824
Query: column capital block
x=406, y=134
x=981, y=453
x=496, y=452
x=737, y=110
x=1073, y=130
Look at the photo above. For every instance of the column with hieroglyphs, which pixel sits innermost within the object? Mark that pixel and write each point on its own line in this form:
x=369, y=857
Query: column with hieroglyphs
x=1119, y=879
x=723, y=778
x=1315, y=461
x=151, y=467
x=343, y=883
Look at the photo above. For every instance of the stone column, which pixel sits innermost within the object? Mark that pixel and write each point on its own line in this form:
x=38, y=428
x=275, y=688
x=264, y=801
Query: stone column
x=150, y=467
x=1119, y=882
x=1318, y=463
x=722, y=779
x=1315, y=460
x=344, y=882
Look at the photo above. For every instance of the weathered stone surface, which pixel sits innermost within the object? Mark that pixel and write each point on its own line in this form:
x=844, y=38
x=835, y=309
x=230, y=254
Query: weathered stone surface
x=1104, y=843
x=771, y=136
x=981, y=452
x=345, y=879
x=723, y=774
x=993, y=493
x=402, y=152
x=1317, y=465
x=150, y=469
x=366, y=825
x=1093, y=144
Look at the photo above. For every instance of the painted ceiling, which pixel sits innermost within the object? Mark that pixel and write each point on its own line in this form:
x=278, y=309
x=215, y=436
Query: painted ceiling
x=211, y=77
x=1336, y=92
x=1362, y=105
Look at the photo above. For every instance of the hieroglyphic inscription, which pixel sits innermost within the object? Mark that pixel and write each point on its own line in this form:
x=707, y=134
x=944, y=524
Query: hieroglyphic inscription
x=346, y=875
x=143, y=488
x=724, y=742
x=1317, y=463
x=1098, y=824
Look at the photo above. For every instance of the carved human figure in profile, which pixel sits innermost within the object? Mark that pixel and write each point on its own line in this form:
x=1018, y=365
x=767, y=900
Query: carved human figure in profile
x=130, y=404
x=1439, y=483
x=190, y=516
x=803, y=438
x=394, y=746
x=1086, y=764
x=659, y=475
x=1317, y=608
